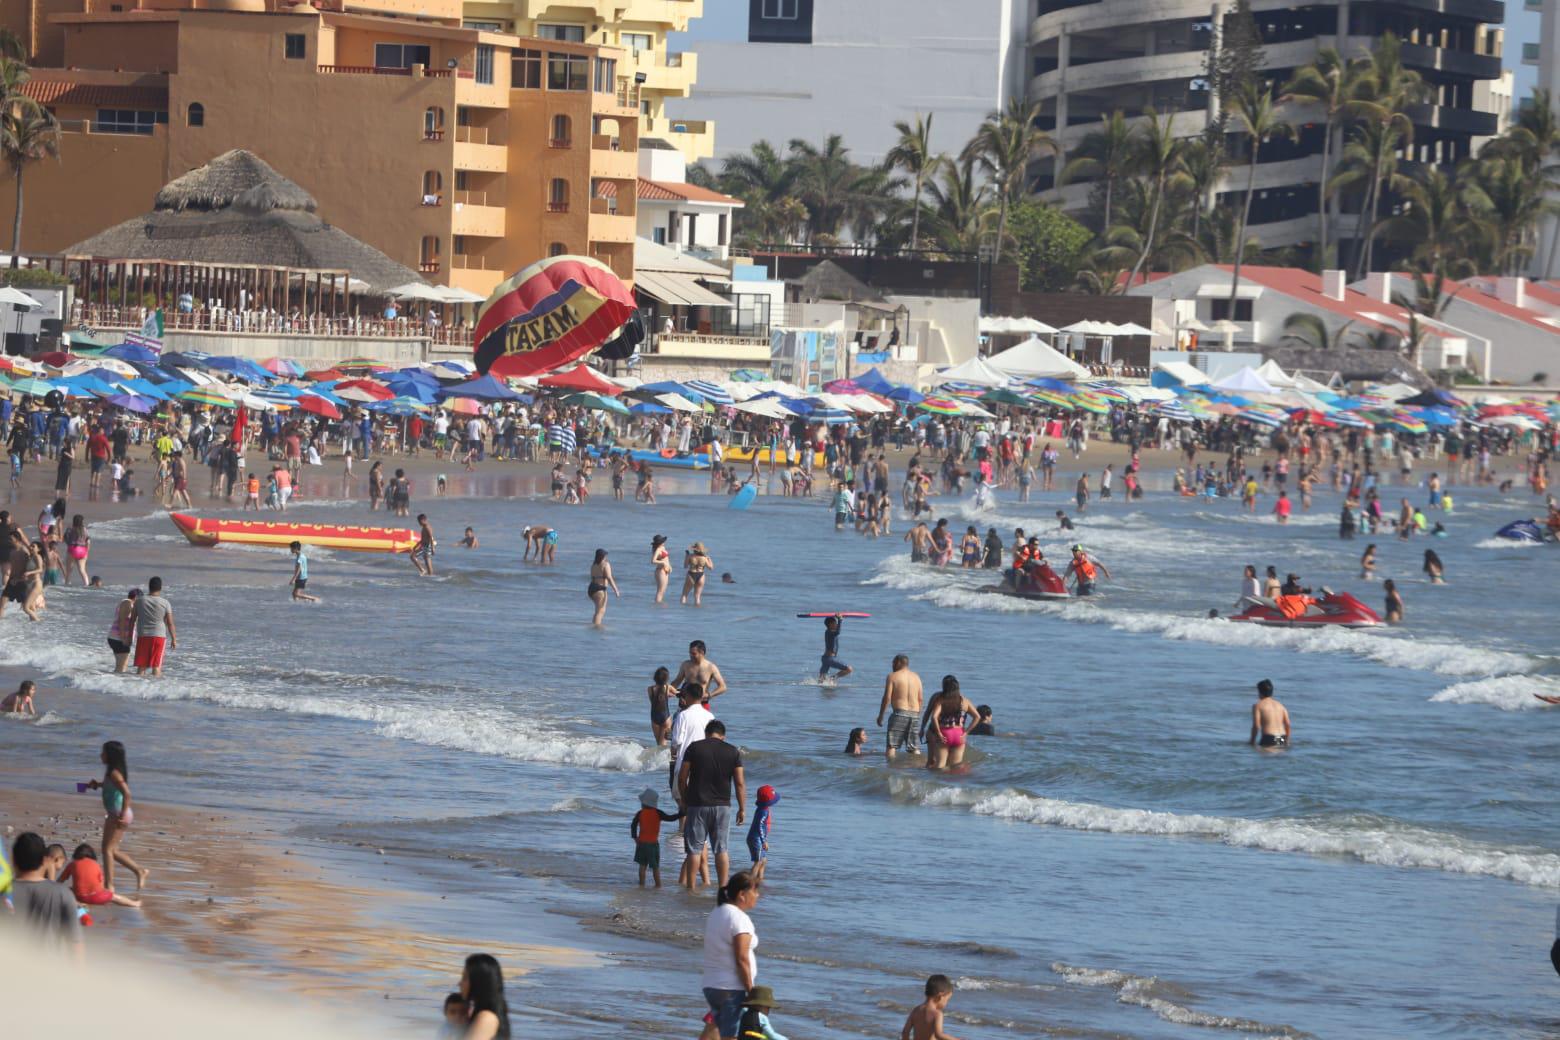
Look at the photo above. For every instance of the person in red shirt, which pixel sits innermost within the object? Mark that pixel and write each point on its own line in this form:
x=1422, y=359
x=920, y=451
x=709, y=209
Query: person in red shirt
x=97, y=452
x=86, y=880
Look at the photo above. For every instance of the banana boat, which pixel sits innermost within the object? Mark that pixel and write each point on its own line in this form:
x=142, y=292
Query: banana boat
x=203, y=530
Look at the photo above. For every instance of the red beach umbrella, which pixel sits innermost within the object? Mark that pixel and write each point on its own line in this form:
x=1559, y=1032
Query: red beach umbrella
x=318, y=406
x=582, y=377
x=553, y=312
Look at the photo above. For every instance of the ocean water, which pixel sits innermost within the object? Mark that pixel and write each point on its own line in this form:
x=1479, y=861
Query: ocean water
x=1118, y=863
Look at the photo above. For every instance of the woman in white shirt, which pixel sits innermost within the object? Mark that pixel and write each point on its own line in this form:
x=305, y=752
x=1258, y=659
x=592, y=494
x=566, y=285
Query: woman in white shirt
x=730, y=962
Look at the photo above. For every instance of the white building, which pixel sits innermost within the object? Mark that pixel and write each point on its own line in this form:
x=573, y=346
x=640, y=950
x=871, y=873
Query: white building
x=681, y=216
x=1520, y=319
x=810, y=68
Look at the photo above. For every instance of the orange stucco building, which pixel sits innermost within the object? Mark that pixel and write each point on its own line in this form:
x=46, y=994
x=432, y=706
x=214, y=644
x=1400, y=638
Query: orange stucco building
x=463, y=153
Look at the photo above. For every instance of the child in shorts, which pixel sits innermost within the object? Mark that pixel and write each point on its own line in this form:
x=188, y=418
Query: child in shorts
x=758, y=833
x=86, y=880
x=252, y=492
x=645, y=829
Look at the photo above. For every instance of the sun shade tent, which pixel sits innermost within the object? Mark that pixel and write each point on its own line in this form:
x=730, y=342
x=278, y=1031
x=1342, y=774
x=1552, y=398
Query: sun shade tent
x=976, y=370
x=1245, y=381
x=679, y=290
x=1032, y=358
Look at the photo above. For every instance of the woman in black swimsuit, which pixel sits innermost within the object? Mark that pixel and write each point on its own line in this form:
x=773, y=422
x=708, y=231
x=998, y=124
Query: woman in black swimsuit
x=600, y=581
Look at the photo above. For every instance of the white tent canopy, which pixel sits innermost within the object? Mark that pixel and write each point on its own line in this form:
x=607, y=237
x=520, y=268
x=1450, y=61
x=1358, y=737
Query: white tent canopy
x=1245, y=381
x=768, y=407
x=1182, y=373
x=1091, y=328
x=1032, y=359
x=1276, y=376
x=1014, y=326
x=975, y=371
x=418, y=291
x=1132, y=328
x=17, y=298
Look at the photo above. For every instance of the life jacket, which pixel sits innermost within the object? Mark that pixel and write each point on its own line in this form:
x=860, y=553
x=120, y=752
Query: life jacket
x=1021, y=556
x=1293, y=606
x=1084, y=568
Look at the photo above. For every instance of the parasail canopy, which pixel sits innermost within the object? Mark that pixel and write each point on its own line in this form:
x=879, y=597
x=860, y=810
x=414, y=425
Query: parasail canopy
x=555, y=311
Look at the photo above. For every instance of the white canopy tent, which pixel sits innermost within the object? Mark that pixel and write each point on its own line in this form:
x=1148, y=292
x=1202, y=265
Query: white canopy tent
x=976, y=370
x=768, y=408
x=1033, y=359
x=1245, y=381
x=1182, y=373
x=1014, y=327
x=1276, y=376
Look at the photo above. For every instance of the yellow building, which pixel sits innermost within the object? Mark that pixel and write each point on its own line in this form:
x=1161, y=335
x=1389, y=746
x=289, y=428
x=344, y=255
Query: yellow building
x=639, y=28
x=463, y=153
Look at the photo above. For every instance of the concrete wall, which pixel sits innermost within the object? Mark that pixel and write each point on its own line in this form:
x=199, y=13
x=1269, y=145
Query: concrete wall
x=312, y=352
x=148, y=47
x=871, y=62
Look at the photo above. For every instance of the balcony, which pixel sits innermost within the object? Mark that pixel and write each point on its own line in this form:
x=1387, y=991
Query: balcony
x=483, y=158
x=475, y=135
x=695, y=138
x=477, y=221
x=675, y=75
x=1455, y=120
x=428, y=267
x=608, y=226
x=557, y=207
x=607, y=159
x=476, y=198
x=1460, y=63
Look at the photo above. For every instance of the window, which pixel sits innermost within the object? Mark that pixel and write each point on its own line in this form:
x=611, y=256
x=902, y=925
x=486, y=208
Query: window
x=557, y=249
x=472, y=23
x=485, y=63
x=562, y=131
x=568, y=72
x=525, y=70
x=784, y=10
x=564, y=33
x=433, y=123
x=430, y=253
x=196, y=115
x=400, y=55
x=693, y=235
x=1221, y=310
x=432, y=186
x=606, y=75
x=637, y=42
x=558, y=196
x=126, y=121
x=722, y=228
x=296, y=46
x=658, y=236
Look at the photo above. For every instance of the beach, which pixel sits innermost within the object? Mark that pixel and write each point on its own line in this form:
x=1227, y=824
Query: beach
x=368, y=789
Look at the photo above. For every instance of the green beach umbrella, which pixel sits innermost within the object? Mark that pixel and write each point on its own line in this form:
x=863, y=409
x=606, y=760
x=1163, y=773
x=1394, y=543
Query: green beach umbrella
x=597, y=402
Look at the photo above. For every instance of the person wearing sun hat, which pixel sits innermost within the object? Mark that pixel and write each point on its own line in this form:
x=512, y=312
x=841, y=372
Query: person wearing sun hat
x=645, y=829
x=755, y=1016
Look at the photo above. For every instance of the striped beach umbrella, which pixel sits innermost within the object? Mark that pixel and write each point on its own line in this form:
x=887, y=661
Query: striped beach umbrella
x=204, y=395
x=1175, y=411
x=1051, y=397
x=32, y=386
x=359, y=365
x=1086, y=401
x=1109, y=391
x=940, y=406
x=1264, y=417
x=714, y=393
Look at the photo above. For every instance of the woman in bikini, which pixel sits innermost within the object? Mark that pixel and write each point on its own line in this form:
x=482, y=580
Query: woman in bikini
x=661, y=564
x=600, y=581
x=954, y=715
x=698, y=562
x=970, y=547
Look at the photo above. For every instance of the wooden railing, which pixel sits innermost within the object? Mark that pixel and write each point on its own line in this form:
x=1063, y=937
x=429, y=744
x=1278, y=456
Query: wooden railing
x=557, y=207
x=429, y=267
x=272, y=323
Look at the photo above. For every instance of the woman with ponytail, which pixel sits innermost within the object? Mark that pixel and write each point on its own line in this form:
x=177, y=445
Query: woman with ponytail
x=730, y=939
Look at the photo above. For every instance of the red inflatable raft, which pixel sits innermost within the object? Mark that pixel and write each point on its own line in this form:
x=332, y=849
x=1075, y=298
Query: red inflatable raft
x=1331, y=608
x=210, y=531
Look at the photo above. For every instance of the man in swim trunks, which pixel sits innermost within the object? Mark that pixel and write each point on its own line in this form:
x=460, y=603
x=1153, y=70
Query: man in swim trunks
x=700, y=669
x=902, y=695
x=831, y=650
x=920, y=540
x=1083, y=569
x=1269, y=719
x=422, y=552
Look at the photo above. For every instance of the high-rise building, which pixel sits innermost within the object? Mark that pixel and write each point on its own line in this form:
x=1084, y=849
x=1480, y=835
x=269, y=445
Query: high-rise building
x=808, y=68
x=638, y=27
x=460, y=152
x=1546, y=55
x=1092, y=57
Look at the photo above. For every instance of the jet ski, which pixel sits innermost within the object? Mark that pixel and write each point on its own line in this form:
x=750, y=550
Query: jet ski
x=1524, y=531
x=1038, y=581
x=1330, y=608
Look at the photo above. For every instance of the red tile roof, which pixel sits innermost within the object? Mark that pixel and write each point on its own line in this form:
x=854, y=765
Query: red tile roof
x=1478, y=292
x=665, y=191
x=1306, y=287
x=96, y=95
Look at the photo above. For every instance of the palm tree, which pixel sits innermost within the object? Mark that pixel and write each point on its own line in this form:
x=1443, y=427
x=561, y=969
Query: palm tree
x=1439, y=223
x=827, y=184
x=763, y=180
x=1106, y=155
x=1159, y=158
x=28, y=132
x=1387, y=88
x=1333, y=84
x=1256, y=111
x=1305, y=329
x=1370, y=158
x=1203, y=165
x=1002, y=148
x=913, y=154
x=1534, y=139
x=1216, y=238
x=959, y=205
x=1513, y=203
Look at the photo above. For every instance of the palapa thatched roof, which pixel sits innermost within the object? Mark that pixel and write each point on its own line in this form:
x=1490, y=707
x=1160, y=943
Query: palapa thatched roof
x=1353, y=365
x=238, y=210
x=829, y=281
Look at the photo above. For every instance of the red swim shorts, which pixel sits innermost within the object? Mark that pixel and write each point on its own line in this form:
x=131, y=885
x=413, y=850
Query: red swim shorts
x=149, y=651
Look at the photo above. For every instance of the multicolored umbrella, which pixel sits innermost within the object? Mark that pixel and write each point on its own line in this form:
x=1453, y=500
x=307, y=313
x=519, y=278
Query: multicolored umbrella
x=285, y=367
x=204, y=395
x=362, y=365
x=1051, y=397
x=32, y=387
x=549, y=314
x=940, y=406
x=1086, y=401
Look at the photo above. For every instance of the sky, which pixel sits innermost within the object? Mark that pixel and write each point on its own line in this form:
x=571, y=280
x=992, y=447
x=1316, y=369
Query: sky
x=727, y=20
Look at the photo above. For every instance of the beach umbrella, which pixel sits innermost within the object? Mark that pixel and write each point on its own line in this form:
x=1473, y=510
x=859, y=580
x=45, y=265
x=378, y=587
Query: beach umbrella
x=678, y=403
x=132, y=403
x=483, y=388
x=316, y=405
x=1085, y=401
x=583, y=377
x=375, y=390
x=325, y=375
x=1109, y=391
x=551, y=313
x=1002, y=395
x=1263, y=417
x=767, y=407
x=939, y=406
x=361, y=365
x=905, y=395
x=32, y=386
x=206, y=396
x=453, y=369
x=1175, y=411
x=597, y=402
x=712, y=392
x=55, y=358
x=649, y=408
x=463, y=406
x=401, y=406
x=284, y=367
x=1050, y=397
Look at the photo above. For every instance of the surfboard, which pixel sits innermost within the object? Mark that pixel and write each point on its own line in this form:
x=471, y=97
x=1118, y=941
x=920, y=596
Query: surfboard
x=831, y=613
x=743, y=498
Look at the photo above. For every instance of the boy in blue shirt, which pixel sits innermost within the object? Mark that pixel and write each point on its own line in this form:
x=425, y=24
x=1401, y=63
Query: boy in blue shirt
x=758, y=833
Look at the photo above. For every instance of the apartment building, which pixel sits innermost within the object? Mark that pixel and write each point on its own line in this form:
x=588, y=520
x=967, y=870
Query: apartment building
x=463, y=153
x=1546, y=56
x=1091, y=57
x=639, y=28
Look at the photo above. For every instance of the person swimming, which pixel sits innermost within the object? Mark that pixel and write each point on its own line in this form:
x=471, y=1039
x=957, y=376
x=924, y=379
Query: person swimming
x=1269, y=719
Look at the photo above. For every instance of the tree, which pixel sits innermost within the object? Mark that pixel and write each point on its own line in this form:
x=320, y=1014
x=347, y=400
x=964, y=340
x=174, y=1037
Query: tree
x=1534, y=139
x=763, y=180
x=1158, y=156
x=825, y=182
x=1308, y=330
x=1255, y=109
x=1332, y=84
x=1106, y=155
x=1202, y=163
x=960, y=203
x=913, y=154
x=1512, y=204
x=1436, y=222
x=1002, y=148
x=1233, y=63
x=28, y=132
x=1370, y=159
x=1387, y=87
x=1048, y=245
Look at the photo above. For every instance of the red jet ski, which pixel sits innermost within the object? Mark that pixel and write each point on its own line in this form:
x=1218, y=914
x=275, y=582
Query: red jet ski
x=1037, y=581
x=1330, y=608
